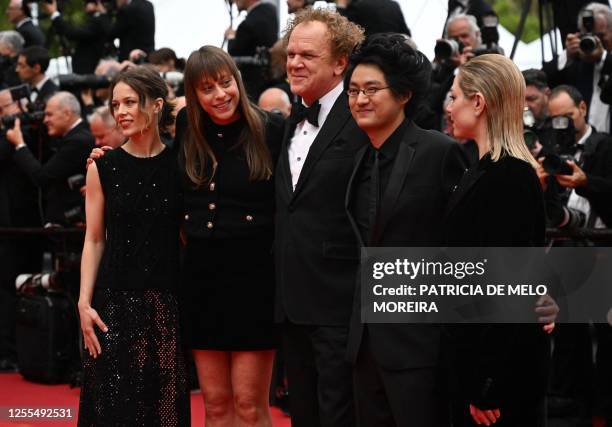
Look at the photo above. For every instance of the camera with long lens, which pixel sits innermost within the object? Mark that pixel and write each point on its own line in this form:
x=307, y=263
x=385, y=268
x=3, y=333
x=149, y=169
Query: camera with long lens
x=30, y=283
x=529, y=130
x=588, y=42
x=34, y=117
x=489, y=36
x=558, y=138
x=260, y=59
x=75, y=215
x=445, y=49
x=76, y=82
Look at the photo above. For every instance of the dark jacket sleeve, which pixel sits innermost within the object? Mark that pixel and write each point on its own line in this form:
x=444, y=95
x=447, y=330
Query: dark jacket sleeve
x=60, y=166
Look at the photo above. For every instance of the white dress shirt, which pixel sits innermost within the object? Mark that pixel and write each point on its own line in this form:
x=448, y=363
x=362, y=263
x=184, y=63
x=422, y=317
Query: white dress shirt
x=305, y=133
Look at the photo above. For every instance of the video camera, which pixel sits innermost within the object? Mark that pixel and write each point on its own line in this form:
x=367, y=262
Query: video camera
x=489, y=35
x=260, y=59
x=558, y=139
x=75, y=82
x=588, y=42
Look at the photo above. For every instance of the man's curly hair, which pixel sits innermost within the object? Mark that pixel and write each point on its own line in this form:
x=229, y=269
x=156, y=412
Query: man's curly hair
x=343, y=34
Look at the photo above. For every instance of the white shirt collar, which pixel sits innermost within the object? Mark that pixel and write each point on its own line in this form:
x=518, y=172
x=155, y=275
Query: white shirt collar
x=23, y=21
x=41, y=83
x=75, y=124
x=586, y=135
x=328, y=100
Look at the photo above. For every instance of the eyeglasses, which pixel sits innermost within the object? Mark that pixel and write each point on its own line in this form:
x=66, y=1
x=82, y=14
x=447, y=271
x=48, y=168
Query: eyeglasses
x=371, y=91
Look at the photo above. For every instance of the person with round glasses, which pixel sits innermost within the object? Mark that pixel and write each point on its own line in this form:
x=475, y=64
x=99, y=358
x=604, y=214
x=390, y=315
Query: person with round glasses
x=400, y=186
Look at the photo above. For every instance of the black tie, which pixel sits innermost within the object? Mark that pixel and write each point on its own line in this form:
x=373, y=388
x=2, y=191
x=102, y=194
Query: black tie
x=300, y=112
x=374, y=192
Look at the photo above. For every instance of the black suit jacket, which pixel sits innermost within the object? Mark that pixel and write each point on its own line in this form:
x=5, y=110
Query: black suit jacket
x=498, y=365
x=32, y=34
x=597, y=165
x=316, y=251
x=89, y=40
x=46, y=91
x=259, y=28
x=135, y=28
x=74, y=148
x=376, y=16
x=424, y=174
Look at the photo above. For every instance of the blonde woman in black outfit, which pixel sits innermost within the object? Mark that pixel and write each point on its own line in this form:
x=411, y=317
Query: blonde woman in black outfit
x=502, y=369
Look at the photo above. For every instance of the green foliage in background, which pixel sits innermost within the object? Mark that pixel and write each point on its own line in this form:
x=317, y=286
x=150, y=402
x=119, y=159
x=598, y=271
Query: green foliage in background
x=73, y=10
x=509, y=12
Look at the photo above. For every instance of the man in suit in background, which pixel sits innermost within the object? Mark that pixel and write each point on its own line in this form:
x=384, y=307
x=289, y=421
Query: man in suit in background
x=31, y=66
x=18, y=208
x=18, y=13
x=75, y=141
x=134, y=27
x=397, y=194
x=259, y=29
x=316, y=252
x=375, y=16
x=11, y=44
x=89, y=38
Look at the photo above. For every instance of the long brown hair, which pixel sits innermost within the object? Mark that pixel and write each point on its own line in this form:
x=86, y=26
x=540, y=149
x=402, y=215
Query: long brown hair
x=209, y=62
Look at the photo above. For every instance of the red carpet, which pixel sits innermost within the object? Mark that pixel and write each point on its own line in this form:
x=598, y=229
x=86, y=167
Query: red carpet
x=17, y=393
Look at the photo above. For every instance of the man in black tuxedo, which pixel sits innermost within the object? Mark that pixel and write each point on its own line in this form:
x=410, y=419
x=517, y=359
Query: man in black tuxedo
x=259, y=29
x=316, y=253
x=18, y=13
x=31, y=66
x=134, y=27
x=63, y=120
x=89, y=38
x=399, y=187
x=375, y=16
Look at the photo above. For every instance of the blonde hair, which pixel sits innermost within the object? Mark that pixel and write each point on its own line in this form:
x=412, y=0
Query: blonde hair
x=502, y=86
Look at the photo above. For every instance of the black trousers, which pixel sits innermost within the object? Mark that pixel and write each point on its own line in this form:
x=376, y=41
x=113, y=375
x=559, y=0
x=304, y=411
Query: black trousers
x=398, y=398
x=318, y=376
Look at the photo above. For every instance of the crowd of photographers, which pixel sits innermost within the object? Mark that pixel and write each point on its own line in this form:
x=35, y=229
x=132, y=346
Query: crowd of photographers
x=50, y=127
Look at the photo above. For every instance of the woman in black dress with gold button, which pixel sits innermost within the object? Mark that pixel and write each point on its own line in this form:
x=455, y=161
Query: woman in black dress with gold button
x=228, y=148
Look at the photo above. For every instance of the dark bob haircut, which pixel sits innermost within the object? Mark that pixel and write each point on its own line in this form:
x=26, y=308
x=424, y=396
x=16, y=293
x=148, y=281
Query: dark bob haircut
x=407, y=71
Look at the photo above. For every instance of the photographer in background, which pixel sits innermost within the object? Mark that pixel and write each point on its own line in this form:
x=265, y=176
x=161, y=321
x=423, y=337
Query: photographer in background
x=259, y=29
x=537, y=93
x=375, y=16
x=588, y=179
x=31, y=67
x=134, y=26
x=104, y=128
x=18, y=208
x=18, y=13
x=89, y=38
x=581, y=63
x=59, y=176
x=11, y=44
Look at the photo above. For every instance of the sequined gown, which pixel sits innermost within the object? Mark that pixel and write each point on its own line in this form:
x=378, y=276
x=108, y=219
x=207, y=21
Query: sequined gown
x=139, y=378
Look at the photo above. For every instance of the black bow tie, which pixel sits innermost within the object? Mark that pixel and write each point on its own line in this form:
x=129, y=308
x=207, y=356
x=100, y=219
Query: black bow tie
x=300, y=112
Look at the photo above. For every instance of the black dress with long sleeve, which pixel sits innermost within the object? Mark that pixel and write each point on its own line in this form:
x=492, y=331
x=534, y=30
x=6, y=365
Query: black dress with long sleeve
x=228, y=276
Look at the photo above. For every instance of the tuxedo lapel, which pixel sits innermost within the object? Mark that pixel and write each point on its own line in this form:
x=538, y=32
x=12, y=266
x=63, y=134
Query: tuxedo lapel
x=284, y=168
x=349, y=193
x=334, y=123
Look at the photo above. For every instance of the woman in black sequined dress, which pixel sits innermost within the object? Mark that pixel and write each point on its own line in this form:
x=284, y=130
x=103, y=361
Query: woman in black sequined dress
x=228, y=150
x=133, y=369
